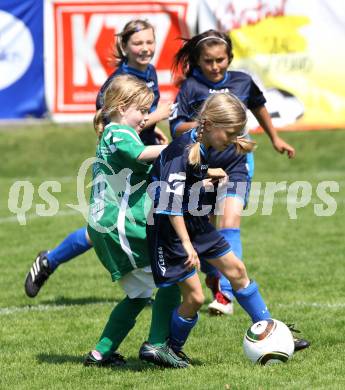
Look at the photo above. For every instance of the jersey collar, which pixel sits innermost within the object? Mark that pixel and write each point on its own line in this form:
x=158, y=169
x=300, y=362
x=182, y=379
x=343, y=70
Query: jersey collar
x=196, y=73
x=142, y=75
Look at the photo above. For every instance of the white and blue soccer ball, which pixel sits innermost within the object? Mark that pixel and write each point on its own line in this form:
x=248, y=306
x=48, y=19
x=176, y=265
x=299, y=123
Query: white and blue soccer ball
x=268, y=342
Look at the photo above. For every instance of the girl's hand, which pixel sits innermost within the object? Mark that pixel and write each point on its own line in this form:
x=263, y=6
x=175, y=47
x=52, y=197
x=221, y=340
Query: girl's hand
x=193, y=258
x=163, y=110
x=281, y=146
x=161, y=137
x=216, y=174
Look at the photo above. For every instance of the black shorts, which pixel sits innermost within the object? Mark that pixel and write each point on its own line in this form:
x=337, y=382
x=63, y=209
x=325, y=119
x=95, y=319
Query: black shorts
x=167, y=253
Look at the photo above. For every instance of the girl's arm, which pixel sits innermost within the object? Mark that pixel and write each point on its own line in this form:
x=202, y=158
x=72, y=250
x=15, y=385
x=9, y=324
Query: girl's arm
x=183, y=127
x=161, y=137
x=177, y=221
x=264, y=119
x=151, y=152
x=162, y=112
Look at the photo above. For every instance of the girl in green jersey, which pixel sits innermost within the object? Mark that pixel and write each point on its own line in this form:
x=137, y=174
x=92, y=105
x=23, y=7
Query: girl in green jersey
x=117, y=222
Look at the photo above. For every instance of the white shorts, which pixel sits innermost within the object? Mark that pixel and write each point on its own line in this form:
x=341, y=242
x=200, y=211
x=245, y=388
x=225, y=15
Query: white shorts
x=138, y=283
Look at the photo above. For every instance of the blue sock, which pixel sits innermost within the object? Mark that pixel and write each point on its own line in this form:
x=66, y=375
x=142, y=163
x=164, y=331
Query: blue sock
x=252, y=302
x=179, y=330
x=72, y=246
x=233, y=237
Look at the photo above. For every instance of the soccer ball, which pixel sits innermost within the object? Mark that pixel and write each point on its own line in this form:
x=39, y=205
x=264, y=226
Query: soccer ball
x=268, y=342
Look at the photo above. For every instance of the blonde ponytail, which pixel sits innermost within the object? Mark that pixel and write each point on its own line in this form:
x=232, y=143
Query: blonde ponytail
x=98, y=123
x=194, y=157
x=244, y=145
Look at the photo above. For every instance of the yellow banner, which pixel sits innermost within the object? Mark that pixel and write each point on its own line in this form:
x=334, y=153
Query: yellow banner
x=296, y=49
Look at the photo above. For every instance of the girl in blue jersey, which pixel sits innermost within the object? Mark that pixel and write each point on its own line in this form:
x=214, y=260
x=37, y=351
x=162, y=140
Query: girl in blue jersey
x=181, y=232
x=204, y=61
x=117, y=223
x=135, y=47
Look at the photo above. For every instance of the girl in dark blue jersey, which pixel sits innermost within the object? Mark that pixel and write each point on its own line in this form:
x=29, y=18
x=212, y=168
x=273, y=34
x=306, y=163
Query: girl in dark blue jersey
x=204, y=61
x=135, y=47
x=181, y=232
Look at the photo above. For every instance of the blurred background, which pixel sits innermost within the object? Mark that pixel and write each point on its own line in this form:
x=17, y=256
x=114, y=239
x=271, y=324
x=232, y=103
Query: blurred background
x=55, y=55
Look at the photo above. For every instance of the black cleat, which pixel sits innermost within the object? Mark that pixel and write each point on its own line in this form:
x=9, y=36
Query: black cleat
x=299, y=343
x=162, y=356
x=38, y=274
x=114, y=360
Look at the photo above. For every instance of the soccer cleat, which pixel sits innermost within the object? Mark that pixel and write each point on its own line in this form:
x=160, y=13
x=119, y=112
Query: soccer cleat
x=299, y=343
x=221, y=305
x=162, y=356
x=38, y=275
x=114, y=360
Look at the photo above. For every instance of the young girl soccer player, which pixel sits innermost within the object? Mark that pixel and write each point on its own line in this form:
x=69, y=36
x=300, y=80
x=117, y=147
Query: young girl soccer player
x=204, y=61
x=117, y=224
x=182, y=233
x=135, y=47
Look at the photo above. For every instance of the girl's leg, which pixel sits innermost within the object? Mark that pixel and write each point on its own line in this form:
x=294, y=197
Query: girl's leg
x=229, y=228
x=122, y=319
x=185, y=316
x=245, y=291
x=166, y=300
x=72, y=246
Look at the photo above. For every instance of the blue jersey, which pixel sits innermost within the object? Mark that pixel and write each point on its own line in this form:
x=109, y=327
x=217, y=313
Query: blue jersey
x=196, y=89
x=180, y=183
x=180, y=192
x=150, y=78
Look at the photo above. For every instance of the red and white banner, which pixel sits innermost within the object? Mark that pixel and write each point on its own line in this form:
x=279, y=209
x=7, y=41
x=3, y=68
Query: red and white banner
x=79, y=38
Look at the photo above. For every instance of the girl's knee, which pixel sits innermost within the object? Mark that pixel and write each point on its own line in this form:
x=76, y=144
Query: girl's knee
x=197, y=299
x=230, y=221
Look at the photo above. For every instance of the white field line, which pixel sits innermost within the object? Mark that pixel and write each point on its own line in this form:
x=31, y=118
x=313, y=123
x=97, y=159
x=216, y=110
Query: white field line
x=41, y=308
x=31, y=216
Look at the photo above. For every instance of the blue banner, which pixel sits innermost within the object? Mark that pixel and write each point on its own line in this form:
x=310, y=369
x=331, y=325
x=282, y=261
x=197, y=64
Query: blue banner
x=21, y=59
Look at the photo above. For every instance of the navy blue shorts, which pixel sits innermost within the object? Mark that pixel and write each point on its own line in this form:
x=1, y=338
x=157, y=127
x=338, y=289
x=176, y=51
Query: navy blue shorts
x=236, y=167
x=167, y=253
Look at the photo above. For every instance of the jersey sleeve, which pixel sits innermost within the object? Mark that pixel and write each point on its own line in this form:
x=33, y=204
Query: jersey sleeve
x=181, y=111
x=126, y=147
x=256, y=97
x=171, y=186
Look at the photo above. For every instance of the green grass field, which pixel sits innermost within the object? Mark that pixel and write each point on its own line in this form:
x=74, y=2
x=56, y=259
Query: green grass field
x=299, y=264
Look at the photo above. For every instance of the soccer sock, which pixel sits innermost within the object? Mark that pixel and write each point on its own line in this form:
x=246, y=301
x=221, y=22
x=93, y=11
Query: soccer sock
x=73, y=245
x=252, y=302
x=166, y=300
x=233, y=237
x=121, y=321
x=180, y=329
x=251, y=164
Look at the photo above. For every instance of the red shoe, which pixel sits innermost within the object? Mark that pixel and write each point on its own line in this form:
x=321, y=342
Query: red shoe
x=221, y=305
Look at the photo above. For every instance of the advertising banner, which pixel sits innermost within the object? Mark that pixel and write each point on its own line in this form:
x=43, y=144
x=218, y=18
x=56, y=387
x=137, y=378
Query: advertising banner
x=293, y=49
x=21, y=59
x=79, y=39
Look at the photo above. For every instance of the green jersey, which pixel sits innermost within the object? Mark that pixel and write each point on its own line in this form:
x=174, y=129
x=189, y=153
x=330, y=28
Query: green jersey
x=117, y=223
